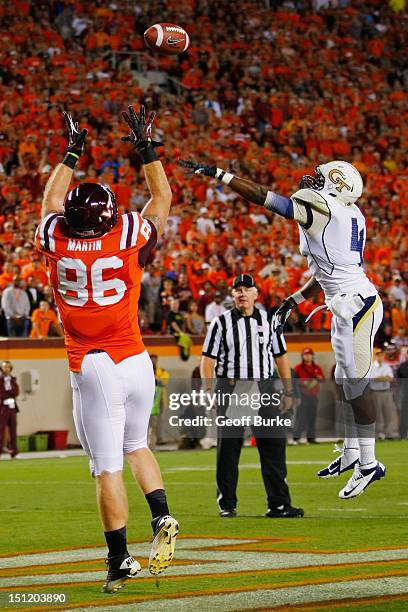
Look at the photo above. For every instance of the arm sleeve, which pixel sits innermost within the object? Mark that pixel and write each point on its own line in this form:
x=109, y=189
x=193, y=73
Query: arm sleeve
x=279, y=204
x=212, y=340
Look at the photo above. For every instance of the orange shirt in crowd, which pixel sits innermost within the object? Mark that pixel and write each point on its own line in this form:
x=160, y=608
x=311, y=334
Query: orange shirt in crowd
x=42, y=321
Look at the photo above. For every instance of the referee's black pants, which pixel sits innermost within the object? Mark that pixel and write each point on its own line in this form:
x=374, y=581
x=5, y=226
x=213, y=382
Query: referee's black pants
x=271, y=444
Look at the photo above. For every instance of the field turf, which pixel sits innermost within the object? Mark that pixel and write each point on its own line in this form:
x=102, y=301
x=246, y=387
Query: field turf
x=342, y=555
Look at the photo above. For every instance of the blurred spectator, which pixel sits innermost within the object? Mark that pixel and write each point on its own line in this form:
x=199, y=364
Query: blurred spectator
x=42, y=320
x=34, y=293
x=16, y=307
x=177, y=327
x=381, y=378
x=398, y=317
x=184, y=292
x=401, y=339
x=398, y=292
x=308, y=374
x=160, y=402
x=402, y=373
x=215, y=308
x=8, y=408
x=195, y=323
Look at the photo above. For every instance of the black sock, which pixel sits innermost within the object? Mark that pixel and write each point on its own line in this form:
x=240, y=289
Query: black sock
x=158, y=503
x=116, y=541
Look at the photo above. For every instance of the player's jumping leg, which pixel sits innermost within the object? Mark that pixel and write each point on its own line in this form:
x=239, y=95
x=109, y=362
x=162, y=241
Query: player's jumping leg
x=143, y=464
x=165, y=528
x=350, y=453
x=352, y=341
x=368, y=469
x=113, y=508
x=99, y=415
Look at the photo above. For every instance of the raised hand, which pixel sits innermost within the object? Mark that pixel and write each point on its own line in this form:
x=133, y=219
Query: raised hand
x=76, y=136
x=141, y=128
x=198, y=168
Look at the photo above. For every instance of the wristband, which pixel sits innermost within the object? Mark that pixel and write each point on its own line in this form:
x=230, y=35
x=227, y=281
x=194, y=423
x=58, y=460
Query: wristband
x=148, y=155
x=297, y=297
x=288, y=392
x=70, y=159
x=224, y=177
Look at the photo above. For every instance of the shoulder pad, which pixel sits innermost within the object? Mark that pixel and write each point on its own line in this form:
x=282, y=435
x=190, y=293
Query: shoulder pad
x=308, y=195
x=312, y=197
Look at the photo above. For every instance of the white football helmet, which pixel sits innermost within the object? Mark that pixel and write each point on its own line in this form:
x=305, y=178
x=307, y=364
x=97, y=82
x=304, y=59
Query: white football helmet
x=338, y=177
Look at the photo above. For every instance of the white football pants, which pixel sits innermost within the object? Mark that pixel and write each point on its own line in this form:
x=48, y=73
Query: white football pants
x=353, y=342
x=112, y=405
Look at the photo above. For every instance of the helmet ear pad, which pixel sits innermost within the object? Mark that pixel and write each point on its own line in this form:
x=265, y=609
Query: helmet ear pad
x=90, y=210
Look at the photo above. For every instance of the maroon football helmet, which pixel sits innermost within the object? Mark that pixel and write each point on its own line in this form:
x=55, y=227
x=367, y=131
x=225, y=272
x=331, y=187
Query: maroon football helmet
x=90, y=210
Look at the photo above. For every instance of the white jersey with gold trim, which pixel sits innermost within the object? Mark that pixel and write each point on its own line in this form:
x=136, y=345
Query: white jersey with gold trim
x=332, y=237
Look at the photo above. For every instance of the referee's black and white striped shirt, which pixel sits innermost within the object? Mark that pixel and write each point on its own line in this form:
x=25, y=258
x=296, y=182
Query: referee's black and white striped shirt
x=244, y=346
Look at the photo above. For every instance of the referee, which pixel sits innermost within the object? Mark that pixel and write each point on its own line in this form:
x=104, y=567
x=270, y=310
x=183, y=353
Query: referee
x=241, y=346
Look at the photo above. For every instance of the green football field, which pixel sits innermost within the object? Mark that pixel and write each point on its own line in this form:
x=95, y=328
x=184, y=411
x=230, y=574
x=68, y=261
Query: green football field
x=343, y=555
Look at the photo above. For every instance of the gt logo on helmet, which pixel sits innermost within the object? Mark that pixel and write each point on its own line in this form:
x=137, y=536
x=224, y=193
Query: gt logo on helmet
x=338, y=180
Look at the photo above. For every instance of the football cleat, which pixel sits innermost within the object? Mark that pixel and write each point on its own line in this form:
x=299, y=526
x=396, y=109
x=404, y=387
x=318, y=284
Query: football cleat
x=285, y=512
x=228, y=513
x=120, y=568
x=361, y=479
x=165, y=530
x=348, y=459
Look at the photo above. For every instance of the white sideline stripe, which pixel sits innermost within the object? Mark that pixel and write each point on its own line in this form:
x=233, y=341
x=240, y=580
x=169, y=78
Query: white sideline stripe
x=271, y=598
x=159, y=30
x=242, y=466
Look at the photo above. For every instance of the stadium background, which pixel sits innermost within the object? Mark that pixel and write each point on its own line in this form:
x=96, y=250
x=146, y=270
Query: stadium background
x=268, y=89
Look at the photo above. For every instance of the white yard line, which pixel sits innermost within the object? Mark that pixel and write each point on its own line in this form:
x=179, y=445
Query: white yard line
x=270, y=598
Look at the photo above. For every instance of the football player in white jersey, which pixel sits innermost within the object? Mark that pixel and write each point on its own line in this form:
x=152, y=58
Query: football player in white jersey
x=332, y=237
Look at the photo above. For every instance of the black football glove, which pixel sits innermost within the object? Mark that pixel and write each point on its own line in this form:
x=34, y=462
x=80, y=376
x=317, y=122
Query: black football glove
x=141, y=133
x=198, y=168
x=282, y=315
x=76, y=136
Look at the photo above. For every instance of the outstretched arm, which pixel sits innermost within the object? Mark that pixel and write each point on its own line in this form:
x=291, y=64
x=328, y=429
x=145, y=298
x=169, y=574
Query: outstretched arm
x=158, y=207
x=58, y=184
x=257, y=194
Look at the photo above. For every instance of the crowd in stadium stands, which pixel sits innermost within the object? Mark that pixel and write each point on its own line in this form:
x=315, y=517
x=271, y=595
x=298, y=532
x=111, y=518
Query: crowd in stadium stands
x=269, y=91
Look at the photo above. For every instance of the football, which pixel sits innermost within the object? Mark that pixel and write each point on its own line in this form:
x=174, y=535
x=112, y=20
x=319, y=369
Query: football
x=167, y=38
